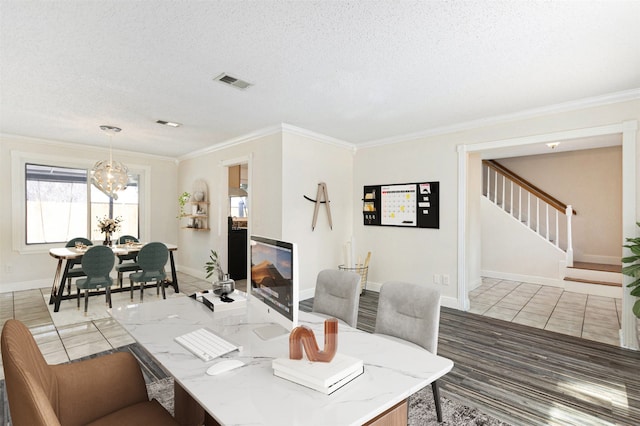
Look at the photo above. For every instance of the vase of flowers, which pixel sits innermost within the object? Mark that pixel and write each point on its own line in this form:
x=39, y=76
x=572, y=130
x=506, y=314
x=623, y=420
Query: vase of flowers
x=108, y=226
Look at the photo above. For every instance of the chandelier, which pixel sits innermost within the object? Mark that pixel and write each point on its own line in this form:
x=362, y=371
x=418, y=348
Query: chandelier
x=110, y=176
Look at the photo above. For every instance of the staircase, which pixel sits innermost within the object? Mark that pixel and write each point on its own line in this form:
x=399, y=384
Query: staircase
x=594, y=278
x=534, y=208
x=550, y=219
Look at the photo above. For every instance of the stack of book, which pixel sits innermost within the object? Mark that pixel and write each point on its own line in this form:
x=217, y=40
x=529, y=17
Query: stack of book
x=326, y=377
x=216, y=304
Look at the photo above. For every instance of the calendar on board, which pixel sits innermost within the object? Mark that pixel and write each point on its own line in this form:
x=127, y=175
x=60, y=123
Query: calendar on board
x=413, y=205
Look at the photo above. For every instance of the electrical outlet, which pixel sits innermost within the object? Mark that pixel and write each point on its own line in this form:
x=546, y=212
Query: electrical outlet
x=437, y=279
x=445, y=279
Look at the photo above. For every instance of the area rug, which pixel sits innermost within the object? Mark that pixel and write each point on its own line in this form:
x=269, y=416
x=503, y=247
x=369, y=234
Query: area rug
x=422, y=411
x=97, y=310
x=421, y=407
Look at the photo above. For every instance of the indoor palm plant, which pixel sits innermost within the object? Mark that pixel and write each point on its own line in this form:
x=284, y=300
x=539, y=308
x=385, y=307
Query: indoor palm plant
x=633, y=270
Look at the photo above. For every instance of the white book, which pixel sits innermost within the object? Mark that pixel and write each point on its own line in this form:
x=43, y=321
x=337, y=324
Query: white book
x=239, y=301
x=325, y=377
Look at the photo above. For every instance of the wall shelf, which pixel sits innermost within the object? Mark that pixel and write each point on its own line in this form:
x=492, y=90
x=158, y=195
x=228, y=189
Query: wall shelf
x=198, y=219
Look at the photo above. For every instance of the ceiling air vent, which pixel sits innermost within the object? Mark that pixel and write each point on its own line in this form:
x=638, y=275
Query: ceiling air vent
x=232, y=81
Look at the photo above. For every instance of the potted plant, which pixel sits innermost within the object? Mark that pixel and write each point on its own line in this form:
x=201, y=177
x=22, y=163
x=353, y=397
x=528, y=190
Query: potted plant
x=222, y=283
x=183, y=199
x=633, y=270
x=213, y=266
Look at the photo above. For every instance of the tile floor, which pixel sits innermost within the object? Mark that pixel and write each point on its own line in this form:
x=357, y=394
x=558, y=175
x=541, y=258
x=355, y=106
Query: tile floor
x=76, y=340
x=592, y=317
x=550, y=308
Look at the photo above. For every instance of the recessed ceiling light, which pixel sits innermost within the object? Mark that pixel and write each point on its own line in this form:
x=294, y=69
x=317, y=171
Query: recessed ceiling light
x=553, y=145
x=169, y=123
x=232, y=81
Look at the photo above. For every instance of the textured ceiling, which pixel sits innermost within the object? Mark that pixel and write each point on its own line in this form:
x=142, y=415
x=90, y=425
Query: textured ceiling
x=358, y=71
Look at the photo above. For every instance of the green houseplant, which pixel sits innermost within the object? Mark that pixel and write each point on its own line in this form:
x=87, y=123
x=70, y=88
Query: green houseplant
x=213, y=266
x=633, y=270
x=183, y=199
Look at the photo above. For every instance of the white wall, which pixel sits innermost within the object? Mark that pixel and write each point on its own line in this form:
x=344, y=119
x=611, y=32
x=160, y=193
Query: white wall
x=284, y=166
x=409, y=254
x=416, y=254
x=264, y=154
x=473, y=224
x=36, y=268
x=589, y=180
x=307, y=162
x=512, y=251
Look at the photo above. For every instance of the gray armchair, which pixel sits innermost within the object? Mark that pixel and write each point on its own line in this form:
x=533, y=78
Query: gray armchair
x=337, y=295
x=411, y=313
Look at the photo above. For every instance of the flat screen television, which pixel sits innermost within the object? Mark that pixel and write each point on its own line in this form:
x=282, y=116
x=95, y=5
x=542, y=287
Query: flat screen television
x=274, y=289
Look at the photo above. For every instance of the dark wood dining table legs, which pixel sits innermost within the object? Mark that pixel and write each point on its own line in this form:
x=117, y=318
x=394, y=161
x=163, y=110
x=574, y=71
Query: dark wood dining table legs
x=57, y=289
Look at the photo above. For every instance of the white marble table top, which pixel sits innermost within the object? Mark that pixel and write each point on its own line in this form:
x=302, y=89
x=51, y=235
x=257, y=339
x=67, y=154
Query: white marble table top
x=252, y=395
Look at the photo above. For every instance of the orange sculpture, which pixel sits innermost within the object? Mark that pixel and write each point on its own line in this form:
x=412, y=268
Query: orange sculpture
x=303, y=336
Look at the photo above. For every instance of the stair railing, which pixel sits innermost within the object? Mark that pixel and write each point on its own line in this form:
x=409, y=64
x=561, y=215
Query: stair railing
x=534, y=208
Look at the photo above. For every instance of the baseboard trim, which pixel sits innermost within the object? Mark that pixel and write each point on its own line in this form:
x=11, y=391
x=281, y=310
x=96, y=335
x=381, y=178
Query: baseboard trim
x=532, y=279
x=25, y=285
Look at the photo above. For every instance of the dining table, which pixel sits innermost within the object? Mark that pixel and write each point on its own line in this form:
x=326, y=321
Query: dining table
x=65, y=254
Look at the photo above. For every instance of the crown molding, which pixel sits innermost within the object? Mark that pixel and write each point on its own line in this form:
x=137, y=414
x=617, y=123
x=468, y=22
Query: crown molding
x=248, y=137
x=611, y=98
x=75, y=145
x=268, y=131
x=318, y=137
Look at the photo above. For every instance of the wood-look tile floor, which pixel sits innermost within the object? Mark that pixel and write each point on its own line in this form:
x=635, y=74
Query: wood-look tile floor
x=549, y=308
x=522, y=375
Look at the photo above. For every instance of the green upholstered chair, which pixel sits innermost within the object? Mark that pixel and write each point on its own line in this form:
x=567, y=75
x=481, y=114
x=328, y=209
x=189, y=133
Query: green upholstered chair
x=151, y=259
x=97, y=262
x=410, y=313
x=337, y=295
x=75, y=268
x=126, y=262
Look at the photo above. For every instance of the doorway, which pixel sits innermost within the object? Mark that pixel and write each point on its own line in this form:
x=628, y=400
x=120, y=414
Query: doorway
x=468, y=243
x=238, y=214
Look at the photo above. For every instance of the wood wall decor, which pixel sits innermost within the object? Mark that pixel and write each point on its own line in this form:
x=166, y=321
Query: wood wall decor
x=322, y=193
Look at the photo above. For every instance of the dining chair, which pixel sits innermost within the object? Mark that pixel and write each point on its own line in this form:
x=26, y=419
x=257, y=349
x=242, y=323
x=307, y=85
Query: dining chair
x=336, y=295
x=97, y=262
x=410, y=313
x=106, y=390
x=126, y=262
x=151, y=259
x=75, y=267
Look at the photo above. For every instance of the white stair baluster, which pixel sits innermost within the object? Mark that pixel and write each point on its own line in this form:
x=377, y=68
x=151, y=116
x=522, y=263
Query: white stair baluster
x=511, y=198
x=557, y=229
x=488, y=182
x=528, y=209
x=569, y=238
x=495, y=192
x=503, y=185
x=546, y=222
x=538, y=215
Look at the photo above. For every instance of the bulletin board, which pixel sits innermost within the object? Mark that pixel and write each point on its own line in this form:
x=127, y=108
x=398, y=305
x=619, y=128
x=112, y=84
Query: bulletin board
x=411, y=205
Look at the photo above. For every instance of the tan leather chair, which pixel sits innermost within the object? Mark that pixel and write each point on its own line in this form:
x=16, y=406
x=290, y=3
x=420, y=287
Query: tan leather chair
x=107, y=390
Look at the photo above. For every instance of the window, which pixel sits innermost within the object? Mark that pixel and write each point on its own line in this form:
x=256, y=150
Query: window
x=61, y=205
x=126, y=207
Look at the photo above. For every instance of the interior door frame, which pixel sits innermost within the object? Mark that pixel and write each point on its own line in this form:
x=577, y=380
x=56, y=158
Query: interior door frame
x=223, y=200
x=628, y=130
